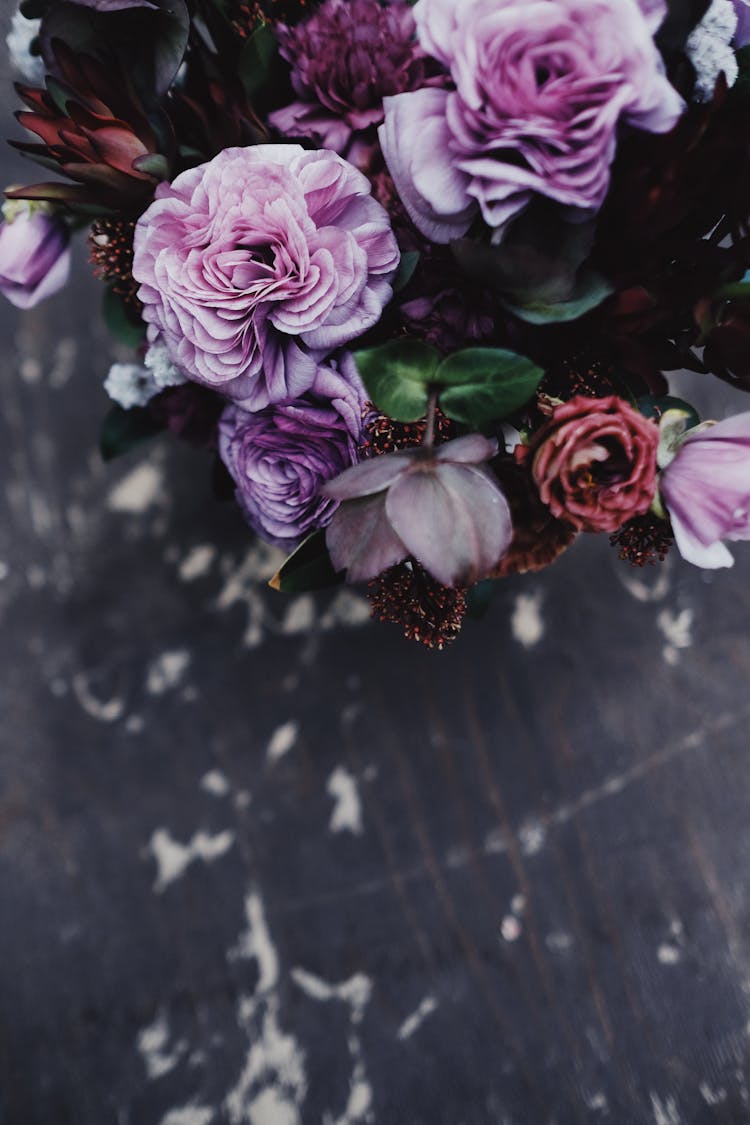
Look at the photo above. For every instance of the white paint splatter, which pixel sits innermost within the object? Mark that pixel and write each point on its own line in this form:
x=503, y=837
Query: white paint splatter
x=197, y=562
x=558, y=942
x=216, y=783
x=347, y=810
x=189, y=1115
x=712, y=1097
x=173, y=858
x=356, y=992
x=282, y=740
x=4, y=571
x=272, y=1083
x=242, y=587
x=644, y=591
x=510, y=928
x=413, y=1022
x=665, y=1112
x=299, y=616
x=167, y=671
x=668, y=954
x=532, y=835
x=153, y=1046
x=518, y=904
x=348, y=609
x=104, y=710
x=677, y=631
x=496, y=842
x=597, y=1101
x=137, y=491
x=526, y=621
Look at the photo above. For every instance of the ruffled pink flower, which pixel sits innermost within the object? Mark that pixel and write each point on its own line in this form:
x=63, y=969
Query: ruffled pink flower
x=594, y=462
x=440, y=505
x=540, y=89
x=256, y=265
x=34, y=257
x=706, y=491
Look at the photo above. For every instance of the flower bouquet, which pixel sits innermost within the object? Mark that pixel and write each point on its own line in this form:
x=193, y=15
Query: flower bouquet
x=411, y=273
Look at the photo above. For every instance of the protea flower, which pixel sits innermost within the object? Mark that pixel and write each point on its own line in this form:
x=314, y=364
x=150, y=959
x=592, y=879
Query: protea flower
x=95, y=131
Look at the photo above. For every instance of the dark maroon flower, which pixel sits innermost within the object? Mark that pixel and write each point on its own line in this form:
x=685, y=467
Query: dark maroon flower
x=345, y=59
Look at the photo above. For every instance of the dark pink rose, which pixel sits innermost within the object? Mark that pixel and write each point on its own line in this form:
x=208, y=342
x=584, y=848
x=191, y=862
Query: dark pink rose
x=594, y=462
x=255, y=266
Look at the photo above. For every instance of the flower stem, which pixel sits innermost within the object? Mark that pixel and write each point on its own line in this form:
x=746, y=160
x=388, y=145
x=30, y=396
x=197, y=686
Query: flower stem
x=429, y=434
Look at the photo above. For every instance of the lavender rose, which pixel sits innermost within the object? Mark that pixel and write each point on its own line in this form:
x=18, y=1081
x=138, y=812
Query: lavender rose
x=34, y=255
x=742, y=34
x=594, y=462
x=539, y=93
x=705, y=488
x=280, y=457
x=255, y=266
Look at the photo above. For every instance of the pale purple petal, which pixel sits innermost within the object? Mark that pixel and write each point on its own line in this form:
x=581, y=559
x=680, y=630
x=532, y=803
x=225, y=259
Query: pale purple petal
x=454, y=520
x=361, y=540
x=370, y=476
x=34, y=258
x=469, y=449
x=415, y=142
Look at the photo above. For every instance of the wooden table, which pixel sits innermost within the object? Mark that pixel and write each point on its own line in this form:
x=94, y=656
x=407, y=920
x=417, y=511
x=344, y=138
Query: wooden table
x=264, y=862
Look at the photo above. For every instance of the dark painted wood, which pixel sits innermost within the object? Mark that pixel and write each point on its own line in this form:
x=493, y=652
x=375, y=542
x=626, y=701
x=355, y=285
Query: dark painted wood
x=532, y=908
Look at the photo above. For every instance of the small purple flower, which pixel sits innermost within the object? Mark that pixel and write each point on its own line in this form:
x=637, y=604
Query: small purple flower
x=706, y=490
x=255, y=266
x=34, y=256
x=439, y=504
x=280, y=456
x=345, y=58
x=742, y=34
x=539, y=93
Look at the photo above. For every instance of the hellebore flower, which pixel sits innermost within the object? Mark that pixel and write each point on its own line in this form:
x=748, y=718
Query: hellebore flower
x=255, y=266
x=34, y=255
x=594, y=462
x=705, y=488
x=540, y=89
x=439, y=504
x=279, y=457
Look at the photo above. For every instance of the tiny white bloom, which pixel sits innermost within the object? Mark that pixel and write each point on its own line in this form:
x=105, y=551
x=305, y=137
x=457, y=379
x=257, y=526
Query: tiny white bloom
x=130, y=384
x=709, y=49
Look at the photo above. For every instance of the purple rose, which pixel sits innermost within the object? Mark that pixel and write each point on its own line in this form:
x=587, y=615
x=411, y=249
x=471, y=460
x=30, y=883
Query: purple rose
x=255, y=266
x=706, y=490
x=540, y=88
x=345, y=58
x=34, y=257
x=280, y=456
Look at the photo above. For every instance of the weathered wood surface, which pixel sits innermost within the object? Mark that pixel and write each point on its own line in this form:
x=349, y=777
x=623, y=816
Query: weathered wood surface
x=263, y=862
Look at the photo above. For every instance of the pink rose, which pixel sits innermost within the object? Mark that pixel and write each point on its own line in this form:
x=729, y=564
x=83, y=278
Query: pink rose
x=256, y=265
x=594, y=462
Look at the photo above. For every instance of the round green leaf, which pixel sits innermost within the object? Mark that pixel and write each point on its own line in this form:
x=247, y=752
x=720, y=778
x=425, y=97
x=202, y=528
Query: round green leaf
x=397, y=377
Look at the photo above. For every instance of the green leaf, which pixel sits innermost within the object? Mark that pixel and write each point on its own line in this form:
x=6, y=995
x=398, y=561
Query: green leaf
x=256, y=63
x=397, y=377
x=653, y=406
x=483, y=384
x=405, y=271
x=123, y=429
x=590, y=290
x=120, y=322
x=307, y=568
x=153, y=164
